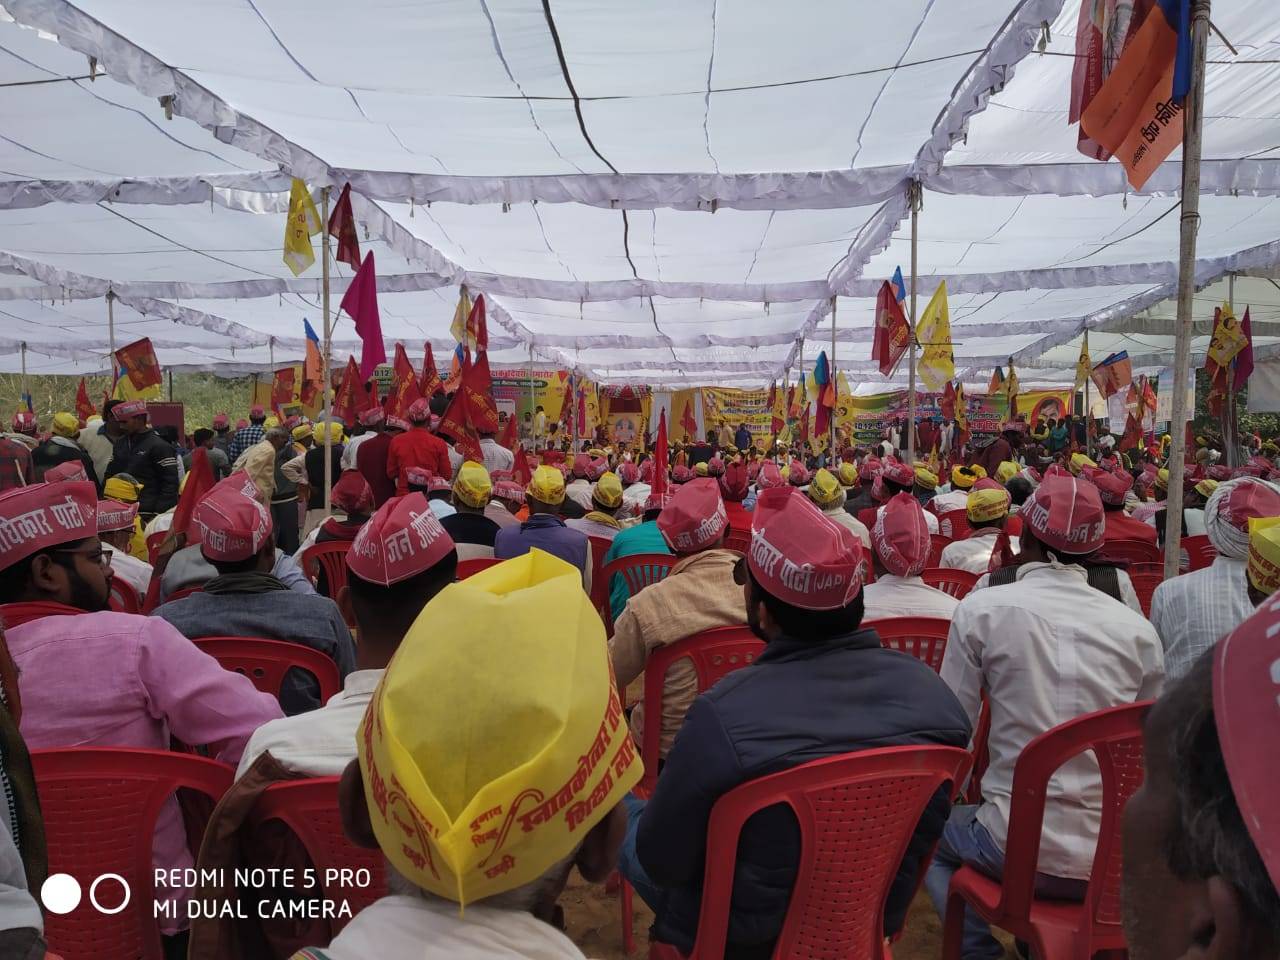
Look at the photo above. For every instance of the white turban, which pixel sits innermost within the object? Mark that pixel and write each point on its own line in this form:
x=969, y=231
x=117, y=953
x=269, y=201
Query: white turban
x=1227, y=538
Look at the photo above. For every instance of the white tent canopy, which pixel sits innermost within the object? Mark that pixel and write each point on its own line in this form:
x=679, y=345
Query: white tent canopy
x=668, y=194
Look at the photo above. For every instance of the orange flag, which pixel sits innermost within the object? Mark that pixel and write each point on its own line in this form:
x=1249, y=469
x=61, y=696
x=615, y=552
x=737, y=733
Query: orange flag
x=344, y=401
x=84, y=406
x=429, y=384
x=404, y=384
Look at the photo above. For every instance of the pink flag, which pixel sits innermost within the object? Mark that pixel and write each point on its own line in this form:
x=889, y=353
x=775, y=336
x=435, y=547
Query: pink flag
x=1244, y=359
x=361, y=305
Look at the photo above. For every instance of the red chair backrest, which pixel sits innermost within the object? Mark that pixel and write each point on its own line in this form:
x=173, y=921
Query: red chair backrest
x=950, y=580
x=1200, y=552
x=124, y=599
x=739, y=540
x=937, y=543
x=1114, y=736
x=713, y=654
x=1144, y=585
x=856, y=813
x=954, y=524
x=924, y=638
x=638, y=571
x=1130, y=551
x=310, y=809
x=100, y=807
x=469, y=568
x=184, y=592
x=332, y=557
x=265, y=662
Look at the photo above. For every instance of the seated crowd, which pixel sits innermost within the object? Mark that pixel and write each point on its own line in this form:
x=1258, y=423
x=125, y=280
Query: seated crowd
x=489, y=731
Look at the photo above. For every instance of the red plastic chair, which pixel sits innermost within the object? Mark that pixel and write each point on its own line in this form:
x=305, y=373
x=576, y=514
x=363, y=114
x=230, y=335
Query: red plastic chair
x=1130, y=551
x=331, y=556
x=310, y=809
x=937, y=543
x=856, y=812
x=924, y=638
x=739, y=540
x=597, y=547
x=1058, y=930
x=1144, y=585
x=1200, y=552
x=265, y=662
x=124, y=599
x=639, y=571
x=100, y=807
x=954, y=524
x=469, y=568
x=184, y=592
x=950, y=580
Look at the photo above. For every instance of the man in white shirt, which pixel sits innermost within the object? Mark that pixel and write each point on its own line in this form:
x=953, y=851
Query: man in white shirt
x=497, y=458
x=1044, y=649
x=828, y=495
x=115, y=530
x=898, y=477
x=987, y=511
x=585, y=472
x=957, y=498
x=382, y=597
x=1194, y=611
x=901, y=541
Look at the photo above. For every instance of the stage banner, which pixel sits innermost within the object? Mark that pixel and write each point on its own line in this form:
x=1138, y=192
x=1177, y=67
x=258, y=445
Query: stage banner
x=873, y=414
x=511, y=391
x=739, y=406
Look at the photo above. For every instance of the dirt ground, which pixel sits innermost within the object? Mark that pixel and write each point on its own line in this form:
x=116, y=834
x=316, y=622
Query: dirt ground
x=594, y=920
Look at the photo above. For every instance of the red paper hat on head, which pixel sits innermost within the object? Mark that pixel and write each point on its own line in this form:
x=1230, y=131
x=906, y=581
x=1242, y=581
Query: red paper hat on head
x=646, y=471
x=401, y=540
x=681, y=474
x=129, y=409
x=114, y=515
x=797, y=475
x=597, y=469
x=769, y=476
x=43, y=515
x=733, y=485
x=1219, y=472
x=371, y=417
x=870, y=467
x=879, y=493
x=256, y=411
x=901, y=536
x=220, y=420
x=715, y=467
x=352, y=493
x=241, y=423
x=658, y=501
x=581, y=465
x=1056, y=470
x=67, y=470
x=419, y=411
x=900, y=473
x=1066, y=515
x=418, y=476
x=509, y=490
x=695, y=518
x=628, y=473
x=1111, y=486
x=233, y=525
x=753, y=470
x=800, y=556
x=1246, y=711
x=398, y=423
x=436, y=484
x=1245, y=500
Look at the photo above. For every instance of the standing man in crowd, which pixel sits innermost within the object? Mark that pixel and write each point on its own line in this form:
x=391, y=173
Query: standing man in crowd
x=62, y=447
x=141, y=453
x=418, y=447
x=545, y=529
x=246, y=437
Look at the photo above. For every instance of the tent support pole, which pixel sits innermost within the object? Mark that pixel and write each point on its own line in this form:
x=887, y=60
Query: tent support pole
x=1193, y=112
x=326, y=359
x=1231, y=413
x=913, y=198
x=170, y=372
x=111, y=335
x=26, y=390
x=1088, y=412
x=803, y=413
x=835, y=389
x=533, y=405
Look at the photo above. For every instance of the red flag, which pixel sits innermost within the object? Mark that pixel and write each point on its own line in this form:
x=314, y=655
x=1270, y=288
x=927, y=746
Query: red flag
x=1113, y=374
x=1132, y=434
x=370, y=395
x=429, y=384
x=477, y=328
x=688, y=422
x=404, y=384
x=822, y=420
x=510, y=434
x=456, y=423
x=199, y=481
x=566, y=405
x=344, y=401
x=342, y=227
x=1102, y=33
x=361, y=304
x=1244, y=359
x=947, y=405
x=522, y=473
x=804, y=424
x=281, y=389
x=477, y=384
x=658, y=486
x=84, y=406
x=140, y=364
x=582, y=411
x=891, y=332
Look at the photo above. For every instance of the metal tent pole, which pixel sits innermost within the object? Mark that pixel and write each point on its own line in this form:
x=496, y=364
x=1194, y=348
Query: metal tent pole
x=913, y=198
x=326, y=359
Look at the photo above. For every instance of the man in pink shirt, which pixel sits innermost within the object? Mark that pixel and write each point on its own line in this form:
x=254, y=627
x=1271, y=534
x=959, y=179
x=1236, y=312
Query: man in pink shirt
x=91, y=677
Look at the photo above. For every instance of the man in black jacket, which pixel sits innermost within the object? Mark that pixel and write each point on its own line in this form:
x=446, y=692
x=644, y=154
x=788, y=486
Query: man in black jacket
x=141, y=453
x=822, y=687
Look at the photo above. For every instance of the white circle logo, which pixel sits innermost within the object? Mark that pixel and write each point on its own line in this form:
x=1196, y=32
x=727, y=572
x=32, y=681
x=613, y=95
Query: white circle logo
x=60, y=893
x=93, y=894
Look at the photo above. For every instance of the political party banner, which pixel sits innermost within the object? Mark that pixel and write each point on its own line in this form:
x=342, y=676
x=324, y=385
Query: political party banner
x=511, y=391
x=739, y=406
x=872, y=415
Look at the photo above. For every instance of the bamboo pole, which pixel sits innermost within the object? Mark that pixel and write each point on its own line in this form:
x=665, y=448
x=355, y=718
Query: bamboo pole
x=111, y=333
x=1088, y=411
x=1231, y=414
x=835, y=389
x=325, y=358
x=913, y=198
x=170, y=372
x=533, y=405
x=1193, y=112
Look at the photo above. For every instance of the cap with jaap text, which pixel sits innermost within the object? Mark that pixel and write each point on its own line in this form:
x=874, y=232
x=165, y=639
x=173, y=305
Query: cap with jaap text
x=301, y=432
x=221, y=421
x=538, y=750
x=352, y=493
x=700, y=470
x=472, y=486
x=628, y=473
x=695, y=519
x=67, y=470
x=681, y=474
x=509, y=490
x=987, y=501
x=547, y=486
x=901, y=536
x=1264, y=554
x=438, y=485
x=825, y=490
x=113, y=516
x=129, y=409
x=608, y=491
x=800, y=556
x=734, y=483
x=232, y=524
x=398, y=423
x=899, y=473
x=1066, y=515
x=401, y=540
x=44, y=515
x=581, y=464
x=257, y=412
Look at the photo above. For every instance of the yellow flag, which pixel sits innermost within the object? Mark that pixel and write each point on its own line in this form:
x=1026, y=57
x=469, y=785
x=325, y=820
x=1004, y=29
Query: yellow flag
x=1084, y=365
x=1011, y=391
x=937, y=362
x=1228, y=339
x=125, y=390
x=303, y=223
x=460, y=314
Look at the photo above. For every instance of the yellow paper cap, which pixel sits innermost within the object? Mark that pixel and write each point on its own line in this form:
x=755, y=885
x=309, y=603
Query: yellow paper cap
x=1264, y=554
x=66, y=425
x=1162, y=478
x=520, y=749
x=984, y=505
x=608, y=490
x=962, y=478
x=926, y=477
x=547, y=485
x=270, y=422
x=301, y=431
x=848, y=475
x=1079, y=461
x=825, y=489
x=126, y=491
x=1007, y=471
x=1206, y=487
x=472, y=484
x=700, y=469
x=335, y=432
